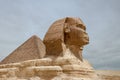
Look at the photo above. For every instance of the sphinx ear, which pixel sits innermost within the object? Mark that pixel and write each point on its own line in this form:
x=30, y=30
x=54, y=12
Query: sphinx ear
x=67, y=30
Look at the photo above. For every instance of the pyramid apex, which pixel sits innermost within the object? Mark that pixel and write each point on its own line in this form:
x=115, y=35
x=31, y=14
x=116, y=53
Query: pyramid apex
x=34, y=36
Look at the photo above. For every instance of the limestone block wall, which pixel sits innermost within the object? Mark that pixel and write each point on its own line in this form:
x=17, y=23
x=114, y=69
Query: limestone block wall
x=46, y=69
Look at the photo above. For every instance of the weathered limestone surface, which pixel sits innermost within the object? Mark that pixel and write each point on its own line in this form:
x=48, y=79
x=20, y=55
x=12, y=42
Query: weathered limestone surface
x=33, y=48
x=48, y=69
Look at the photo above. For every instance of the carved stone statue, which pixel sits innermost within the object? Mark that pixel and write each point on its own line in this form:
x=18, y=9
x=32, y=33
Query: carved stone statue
x=67, y=33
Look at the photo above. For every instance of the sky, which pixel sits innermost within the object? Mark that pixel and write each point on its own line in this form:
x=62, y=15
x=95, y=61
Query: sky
x=20, y=19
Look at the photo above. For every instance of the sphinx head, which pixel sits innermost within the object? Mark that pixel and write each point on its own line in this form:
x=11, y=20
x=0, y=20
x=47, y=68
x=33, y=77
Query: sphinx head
x=68, y=31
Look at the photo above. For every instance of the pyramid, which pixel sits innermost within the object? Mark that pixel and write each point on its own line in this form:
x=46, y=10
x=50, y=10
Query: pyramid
x=33, y=48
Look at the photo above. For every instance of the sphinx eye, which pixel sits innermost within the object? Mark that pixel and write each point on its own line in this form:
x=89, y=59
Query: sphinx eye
x=81, y=26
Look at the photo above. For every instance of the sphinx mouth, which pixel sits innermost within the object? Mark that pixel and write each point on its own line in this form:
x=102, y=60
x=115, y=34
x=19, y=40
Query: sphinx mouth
x=87, y=42
x=86, y=39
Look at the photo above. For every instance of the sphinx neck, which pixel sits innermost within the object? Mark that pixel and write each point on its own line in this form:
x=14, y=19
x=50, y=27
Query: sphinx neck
x=73, y=50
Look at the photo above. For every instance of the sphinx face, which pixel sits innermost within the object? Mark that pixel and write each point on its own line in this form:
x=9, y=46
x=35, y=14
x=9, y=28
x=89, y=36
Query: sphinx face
x=76, y=35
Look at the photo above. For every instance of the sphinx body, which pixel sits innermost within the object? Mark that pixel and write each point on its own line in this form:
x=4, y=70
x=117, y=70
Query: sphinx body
x=67, y=33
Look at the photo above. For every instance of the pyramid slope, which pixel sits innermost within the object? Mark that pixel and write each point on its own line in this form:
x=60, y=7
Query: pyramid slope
x=33, y=48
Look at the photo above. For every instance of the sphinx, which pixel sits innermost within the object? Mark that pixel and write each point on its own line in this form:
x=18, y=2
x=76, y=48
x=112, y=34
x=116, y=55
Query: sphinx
x=67, y=33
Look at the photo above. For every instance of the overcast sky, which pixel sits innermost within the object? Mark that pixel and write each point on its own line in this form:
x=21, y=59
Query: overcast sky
x=20, y=19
